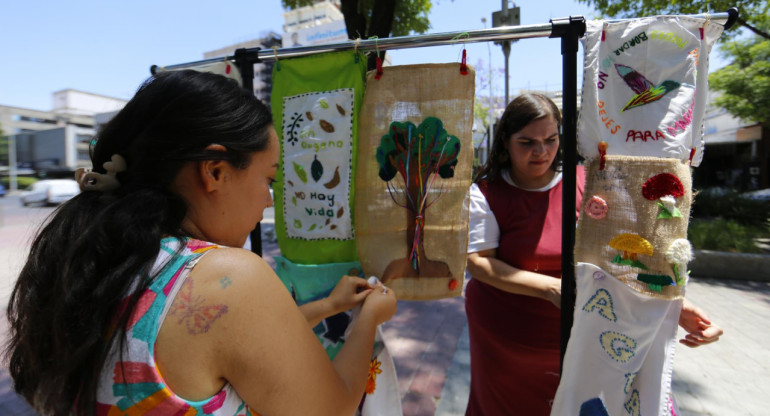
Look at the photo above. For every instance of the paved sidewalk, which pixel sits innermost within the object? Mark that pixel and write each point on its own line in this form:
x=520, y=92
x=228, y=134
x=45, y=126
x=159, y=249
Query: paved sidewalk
x=727, y=378
x=429, y=344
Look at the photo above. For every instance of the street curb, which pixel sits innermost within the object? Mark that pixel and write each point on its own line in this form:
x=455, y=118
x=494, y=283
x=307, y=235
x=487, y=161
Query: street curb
x=730, y=266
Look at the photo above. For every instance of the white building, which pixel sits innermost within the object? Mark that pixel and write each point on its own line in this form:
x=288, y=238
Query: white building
x=56, y=140
x=734, y=155
x=320, y=23
x=73, y=102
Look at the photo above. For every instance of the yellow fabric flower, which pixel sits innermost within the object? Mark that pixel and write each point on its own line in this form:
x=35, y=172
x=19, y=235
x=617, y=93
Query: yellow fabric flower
x=371, y=379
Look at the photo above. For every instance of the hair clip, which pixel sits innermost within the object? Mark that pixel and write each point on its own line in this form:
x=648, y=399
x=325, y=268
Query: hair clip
x=102, y=182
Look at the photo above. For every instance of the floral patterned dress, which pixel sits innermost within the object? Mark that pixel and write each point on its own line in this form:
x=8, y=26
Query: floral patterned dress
x=132, y=384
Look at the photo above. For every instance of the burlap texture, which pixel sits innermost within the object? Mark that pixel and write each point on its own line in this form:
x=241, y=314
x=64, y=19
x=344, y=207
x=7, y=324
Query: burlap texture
x=620, y=185
x=413, y=93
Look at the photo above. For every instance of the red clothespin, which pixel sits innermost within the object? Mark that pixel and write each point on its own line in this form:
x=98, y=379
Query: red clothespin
x=692, y=154
x=378, y=74
x=604, y=35
x=703, y=28
x=463, y=61
x=602, y=154
x=379, y=67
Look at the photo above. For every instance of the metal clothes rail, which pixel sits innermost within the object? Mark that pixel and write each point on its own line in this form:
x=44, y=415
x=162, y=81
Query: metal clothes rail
x=569, y=29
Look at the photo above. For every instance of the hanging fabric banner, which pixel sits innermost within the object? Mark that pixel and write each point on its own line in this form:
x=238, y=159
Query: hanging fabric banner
x=632, y=255
x=640, y=130
x=413, y=176
x=226, y=68
x=634, y=220
x=624, y=360
x=645, y=87
x=315, y=103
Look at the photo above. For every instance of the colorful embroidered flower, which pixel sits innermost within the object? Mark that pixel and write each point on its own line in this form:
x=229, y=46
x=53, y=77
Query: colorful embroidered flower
x=680, y=251
x=665, y=188
x=669, y=202
x=371, y=380
x=678, y=255
x=632, y=245
x=596, y=208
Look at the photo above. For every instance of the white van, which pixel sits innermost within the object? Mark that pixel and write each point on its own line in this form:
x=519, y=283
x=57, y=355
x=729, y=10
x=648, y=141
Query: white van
x=50, y=192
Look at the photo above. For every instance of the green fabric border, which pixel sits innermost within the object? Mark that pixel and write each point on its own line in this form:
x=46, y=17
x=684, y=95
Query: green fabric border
x=322, y=72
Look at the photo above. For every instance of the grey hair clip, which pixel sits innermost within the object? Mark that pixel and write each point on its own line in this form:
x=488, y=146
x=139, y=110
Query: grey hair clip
x=102, y=182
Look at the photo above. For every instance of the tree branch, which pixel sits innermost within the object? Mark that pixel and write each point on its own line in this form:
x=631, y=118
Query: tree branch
x=355, y=21
x=753, y=29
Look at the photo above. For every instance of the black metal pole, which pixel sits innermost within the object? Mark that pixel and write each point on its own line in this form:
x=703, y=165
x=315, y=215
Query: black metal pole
x=245, y=60
x=569, y=29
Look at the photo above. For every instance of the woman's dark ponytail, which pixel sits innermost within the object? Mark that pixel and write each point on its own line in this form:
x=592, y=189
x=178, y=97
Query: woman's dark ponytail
x=75, y=293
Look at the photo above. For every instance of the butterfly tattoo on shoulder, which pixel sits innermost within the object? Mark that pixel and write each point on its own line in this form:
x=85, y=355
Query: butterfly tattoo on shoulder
x=193, y=311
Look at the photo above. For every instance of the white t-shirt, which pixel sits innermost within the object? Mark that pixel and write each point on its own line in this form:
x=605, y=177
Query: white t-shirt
x=483, y=230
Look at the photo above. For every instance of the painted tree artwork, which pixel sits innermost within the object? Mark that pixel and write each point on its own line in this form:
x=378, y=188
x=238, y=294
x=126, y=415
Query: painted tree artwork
x=413, y=161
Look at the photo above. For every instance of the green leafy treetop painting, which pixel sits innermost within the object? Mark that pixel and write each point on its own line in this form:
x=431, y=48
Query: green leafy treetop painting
x=410, y=159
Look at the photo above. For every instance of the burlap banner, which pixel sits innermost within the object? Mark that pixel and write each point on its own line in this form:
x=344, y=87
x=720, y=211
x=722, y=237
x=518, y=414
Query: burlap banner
x=414, y=173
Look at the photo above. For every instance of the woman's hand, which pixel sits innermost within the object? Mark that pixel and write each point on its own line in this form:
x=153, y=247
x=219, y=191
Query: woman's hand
x=700, y=329
x=381, y=303
x=349, y=292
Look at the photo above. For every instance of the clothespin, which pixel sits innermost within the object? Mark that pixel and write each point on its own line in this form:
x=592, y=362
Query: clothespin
x=602, y=154
x=355, y=49
x=275, y=54
x=378, y=74
x=463, y=65
x=692, y=154
x=604, y=31
x=703, y=28
x=227, y=66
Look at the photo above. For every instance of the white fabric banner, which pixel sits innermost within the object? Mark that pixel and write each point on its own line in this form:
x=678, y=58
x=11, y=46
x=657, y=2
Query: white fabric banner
x=225, y=68
x=619, y=359
x=645, y=87
x=381, y=396
x=317, y=163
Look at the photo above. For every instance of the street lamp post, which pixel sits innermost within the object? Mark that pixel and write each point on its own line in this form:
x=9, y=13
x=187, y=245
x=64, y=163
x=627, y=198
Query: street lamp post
x=490, y=116
x=12, y=177
x=506, y=17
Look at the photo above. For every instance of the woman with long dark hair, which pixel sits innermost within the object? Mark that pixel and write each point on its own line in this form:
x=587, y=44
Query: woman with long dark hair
x=131, y=300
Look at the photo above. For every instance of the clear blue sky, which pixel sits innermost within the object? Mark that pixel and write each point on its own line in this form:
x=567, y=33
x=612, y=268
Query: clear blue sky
x=107, y=47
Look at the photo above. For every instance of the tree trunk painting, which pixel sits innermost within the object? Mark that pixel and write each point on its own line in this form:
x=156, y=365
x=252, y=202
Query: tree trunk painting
x=418, y=154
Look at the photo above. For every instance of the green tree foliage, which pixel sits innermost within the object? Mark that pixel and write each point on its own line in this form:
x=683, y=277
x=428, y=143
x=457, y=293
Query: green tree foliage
x=417, y=153
x=381, y=18
x=754, y=14
x=745, y=84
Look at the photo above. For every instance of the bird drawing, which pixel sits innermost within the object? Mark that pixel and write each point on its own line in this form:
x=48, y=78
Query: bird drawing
x=646, y=91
